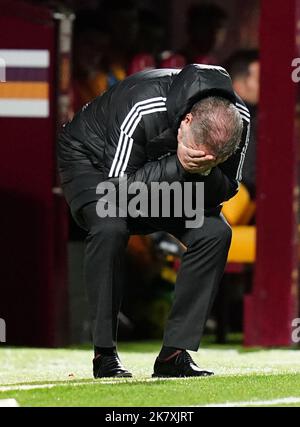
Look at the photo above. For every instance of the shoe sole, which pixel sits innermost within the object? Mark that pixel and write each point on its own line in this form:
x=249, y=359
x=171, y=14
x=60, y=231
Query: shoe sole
x=124, y=375
x=180, y=376
x=127, y=375
x=165, y=376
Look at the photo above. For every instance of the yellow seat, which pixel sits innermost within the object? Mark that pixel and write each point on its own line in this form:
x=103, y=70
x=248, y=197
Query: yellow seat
x=243, y=244
x=238, y=211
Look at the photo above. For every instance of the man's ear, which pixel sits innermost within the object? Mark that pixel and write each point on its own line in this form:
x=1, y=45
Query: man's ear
x=188, y=118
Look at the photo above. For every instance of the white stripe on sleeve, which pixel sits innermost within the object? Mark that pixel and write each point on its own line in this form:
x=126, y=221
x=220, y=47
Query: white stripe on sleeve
x=128, y=127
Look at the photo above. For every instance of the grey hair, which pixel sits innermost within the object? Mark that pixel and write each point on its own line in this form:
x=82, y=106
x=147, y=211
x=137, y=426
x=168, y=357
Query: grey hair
x=217, y=125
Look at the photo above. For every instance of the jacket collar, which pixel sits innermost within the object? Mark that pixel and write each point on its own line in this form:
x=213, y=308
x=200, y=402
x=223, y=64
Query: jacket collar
x=195, y=82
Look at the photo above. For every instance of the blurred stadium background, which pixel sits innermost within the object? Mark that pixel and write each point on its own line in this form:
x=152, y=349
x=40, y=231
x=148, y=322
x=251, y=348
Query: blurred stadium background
x=59, y=55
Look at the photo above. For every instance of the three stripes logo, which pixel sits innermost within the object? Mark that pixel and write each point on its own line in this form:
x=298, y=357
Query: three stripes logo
x=128, y=127
x=244, y=112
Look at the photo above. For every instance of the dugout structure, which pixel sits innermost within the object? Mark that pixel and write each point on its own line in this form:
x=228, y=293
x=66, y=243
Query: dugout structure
x=274, y=302
x=35, y=45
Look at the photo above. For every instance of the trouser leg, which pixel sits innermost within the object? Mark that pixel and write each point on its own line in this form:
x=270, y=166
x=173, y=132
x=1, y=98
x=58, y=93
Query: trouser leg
x=198, y=278
x=104, y=273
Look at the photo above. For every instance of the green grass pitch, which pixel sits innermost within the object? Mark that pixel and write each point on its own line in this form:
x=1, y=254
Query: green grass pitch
x=62, y=377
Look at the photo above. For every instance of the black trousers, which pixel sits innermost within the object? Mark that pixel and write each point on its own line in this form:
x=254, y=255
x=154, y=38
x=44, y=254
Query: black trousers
x=197, y=281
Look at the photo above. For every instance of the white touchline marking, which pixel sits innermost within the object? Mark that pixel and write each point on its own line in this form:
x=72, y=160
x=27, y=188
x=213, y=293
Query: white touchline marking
x=83, y=383
x=283, y=400
x=103, y=381
x=8, y=403
x=40, y=386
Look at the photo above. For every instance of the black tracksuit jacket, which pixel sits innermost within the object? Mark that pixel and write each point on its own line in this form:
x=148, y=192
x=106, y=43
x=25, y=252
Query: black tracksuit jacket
x=132, y=129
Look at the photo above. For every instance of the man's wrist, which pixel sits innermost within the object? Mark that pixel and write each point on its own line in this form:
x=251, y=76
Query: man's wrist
x=206, y=173
x=184, y=172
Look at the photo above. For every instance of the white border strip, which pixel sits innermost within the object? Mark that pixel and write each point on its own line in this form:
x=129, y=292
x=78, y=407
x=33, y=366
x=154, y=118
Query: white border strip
x=34, y=58
x=272, y=402
x=24, y=107
x=8, y=403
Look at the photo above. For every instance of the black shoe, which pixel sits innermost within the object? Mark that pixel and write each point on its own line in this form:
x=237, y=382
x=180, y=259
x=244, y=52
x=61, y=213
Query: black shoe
x=180, y=365
x=109, y=366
